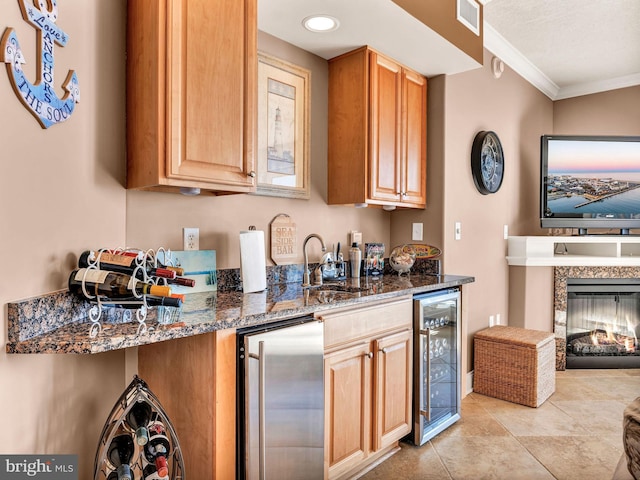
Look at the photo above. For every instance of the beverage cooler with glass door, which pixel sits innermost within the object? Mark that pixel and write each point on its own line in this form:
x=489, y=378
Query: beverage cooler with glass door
x=436, y=401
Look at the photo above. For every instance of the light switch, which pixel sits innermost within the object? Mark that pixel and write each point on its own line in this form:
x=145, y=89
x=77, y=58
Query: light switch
x=458, y=231
x=416, y=232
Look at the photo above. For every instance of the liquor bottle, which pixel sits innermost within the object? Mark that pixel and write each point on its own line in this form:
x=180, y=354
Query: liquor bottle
x=119, y=454
x=158, y=448
x=116, y=262
x=112, y=285
x=355, y=259
x=139, y=417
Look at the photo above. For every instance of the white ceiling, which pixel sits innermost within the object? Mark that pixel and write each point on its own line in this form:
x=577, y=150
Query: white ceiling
x=565, y=48
x=577, y=46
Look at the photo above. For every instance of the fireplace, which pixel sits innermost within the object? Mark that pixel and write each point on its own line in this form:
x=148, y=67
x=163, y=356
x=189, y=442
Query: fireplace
x=584, y=278
x=603, y=322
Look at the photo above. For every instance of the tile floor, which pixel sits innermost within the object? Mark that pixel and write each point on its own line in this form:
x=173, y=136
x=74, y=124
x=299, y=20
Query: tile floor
x=575, y=434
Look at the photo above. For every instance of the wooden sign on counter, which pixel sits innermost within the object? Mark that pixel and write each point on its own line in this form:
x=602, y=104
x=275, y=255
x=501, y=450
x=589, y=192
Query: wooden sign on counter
x=284, y=238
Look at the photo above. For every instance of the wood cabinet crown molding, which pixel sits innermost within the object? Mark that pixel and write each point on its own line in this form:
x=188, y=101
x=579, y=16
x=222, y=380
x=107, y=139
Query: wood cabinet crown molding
x=191, y=95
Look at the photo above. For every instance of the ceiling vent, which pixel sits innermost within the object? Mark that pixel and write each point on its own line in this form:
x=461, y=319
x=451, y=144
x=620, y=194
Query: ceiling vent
x=468, y=13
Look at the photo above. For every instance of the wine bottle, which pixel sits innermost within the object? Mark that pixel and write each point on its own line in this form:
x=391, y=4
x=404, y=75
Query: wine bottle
x=112, y=285
x=187, y=282
x=150, y=260
x=139, y=417
x=175, y=300
x=116, y=262
x=150, y=472
x=158, y=448
x=120, y=453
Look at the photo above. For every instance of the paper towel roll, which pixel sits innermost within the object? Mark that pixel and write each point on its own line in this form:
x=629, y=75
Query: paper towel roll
x=252, y=261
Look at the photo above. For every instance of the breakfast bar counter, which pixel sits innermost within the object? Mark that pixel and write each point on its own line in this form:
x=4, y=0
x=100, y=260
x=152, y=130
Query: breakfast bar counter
x=59, y=322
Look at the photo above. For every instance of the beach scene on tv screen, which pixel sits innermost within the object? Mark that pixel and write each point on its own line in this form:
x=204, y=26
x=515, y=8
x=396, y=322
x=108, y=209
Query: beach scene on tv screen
x=600, y=178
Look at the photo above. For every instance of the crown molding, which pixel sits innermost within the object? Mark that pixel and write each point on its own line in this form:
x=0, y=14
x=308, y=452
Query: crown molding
x=589, y=88
x=501, y=48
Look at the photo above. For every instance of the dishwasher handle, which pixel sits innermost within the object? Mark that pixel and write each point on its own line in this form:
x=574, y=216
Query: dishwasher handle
x=262, y=432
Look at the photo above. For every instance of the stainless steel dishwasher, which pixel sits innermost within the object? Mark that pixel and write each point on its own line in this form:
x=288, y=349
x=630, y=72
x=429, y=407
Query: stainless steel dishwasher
x=281, y=401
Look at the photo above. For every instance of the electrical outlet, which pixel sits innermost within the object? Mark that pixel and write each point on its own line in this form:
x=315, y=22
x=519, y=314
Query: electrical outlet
x=491, y=321
x=458, y=231
x=356, y=237
x=416, y=232
x=497, y=319
x=505, y=232
x=191, y=238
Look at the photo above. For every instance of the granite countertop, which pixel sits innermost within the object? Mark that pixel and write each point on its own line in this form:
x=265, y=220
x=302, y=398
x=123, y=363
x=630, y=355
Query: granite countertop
x=59, y=322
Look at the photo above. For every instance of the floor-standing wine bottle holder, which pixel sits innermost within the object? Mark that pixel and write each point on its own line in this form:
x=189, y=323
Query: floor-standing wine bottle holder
x=122, y=424
x=142, y=260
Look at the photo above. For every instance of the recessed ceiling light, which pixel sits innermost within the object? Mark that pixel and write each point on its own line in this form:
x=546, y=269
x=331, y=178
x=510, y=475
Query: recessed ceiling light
x=321, y=23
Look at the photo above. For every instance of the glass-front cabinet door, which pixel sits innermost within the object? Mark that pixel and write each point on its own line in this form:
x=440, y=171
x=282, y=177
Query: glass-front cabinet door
x=437, y=361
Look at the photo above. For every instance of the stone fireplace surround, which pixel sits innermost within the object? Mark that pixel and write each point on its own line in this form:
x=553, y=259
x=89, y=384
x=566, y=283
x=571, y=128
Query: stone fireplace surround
x=560, y=276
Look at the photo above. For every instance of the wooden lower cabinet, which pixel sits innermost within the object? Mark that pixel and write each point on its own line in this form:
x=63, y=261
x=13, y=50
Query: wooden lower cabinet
x=393, y=388
x=368, y=386
x=347, y=397
x=195, y=380
x=368, y=368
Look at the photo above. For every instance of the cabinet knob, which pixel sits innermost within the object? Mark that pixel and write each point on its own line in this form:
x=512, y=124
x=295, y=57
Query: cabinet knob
x=384, y=350
x=369, y=355
x=251, y=174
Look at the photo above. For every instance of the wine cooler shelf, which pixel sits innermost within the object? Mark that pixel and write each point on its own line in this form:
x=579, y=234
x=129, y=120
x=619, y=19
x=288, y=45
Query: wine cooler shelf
x=131, y=279
x=138, y=441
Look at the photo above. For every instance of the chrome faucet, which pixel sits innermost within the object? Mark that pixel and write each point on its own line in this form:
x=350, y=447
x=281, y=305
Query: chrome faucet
x=306, y=276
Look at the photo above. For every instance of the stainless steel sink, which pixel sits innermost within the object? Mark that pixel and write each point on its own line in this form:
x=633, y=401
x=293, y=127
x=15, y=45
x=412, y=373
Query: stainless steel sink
x=339, y=287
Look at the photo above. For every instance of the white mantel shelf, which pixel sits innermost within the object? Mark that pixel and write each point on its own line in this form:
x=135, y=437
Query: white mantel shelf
x=588, y=250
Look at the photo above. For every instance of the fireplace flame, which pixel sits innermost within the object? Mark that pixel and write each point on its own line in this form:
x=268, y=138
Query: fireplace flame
x=606, y=336
x=631, y=341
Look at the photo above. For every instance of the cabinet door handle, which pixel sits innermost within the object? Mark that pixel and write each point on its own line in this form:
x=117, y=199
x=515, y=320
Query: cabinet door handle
x=384, y=350
x=368, y=355
x=251, y=174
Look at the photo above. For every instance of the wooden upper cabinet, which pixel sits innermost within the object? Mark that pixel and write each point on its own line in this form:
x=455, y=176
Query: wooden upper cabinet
x=191, y=95
x=377, y=131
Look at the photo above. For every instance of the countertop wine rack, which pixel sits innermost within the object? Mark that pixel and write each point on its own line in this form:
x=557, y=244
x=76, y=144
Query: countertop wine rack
x=144, y=258
x=117, y=424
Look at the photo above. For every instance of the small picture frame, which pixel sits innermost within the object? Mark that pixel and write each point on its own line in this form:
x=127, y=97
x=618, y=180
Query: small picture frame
x=283, y=129
x=373, y=259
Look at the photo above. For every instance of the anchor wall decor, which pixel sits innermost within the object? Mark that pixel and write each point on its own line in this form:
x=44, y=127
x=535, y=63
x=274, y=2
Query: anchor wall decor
x=39, y=97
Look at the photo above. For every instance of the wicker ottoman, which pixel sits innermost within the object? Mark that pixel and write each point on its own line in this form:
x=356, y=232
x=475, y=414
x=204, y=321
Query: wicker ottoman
x=515, y=364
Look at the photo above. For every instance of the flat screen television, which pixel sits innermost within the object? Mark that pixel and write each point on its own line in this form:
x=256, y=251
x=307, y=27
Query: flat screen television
x=590, y=182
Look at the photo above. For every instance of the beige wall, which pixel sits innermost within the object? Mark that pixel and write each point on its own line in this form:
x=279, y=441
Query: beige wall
x=63, y=190
x=613, y=112
x=616, y=112
x=60, y=193
x=159, y=217
x=465, y=104
x=441, y=17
